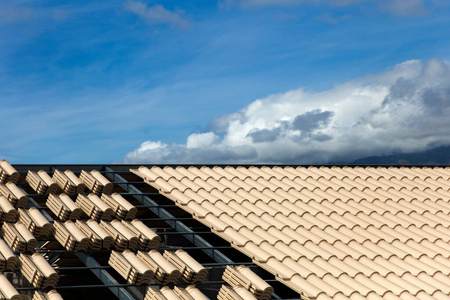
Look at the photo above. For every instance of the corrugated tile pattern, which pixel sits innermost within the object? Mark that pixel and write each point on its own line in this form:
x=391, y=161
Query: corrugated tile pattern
x=327, y=232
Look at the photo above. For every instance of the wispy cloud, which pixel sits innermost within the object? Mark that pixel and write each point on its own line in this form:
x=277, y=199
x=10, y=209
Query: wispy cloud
x=14, y=14
x=395, y=7
x=261, y=3
x=405, y=7
x=156, y=14
x=401, y=110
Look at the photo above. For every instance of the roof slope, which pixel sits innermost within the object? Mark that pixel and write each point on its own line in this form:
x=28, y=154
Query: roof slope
x=327, y=232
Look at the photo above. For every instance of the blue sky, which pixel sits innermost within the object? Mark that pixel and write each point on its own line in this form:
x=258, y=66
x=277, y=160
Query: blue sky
x=228, y=81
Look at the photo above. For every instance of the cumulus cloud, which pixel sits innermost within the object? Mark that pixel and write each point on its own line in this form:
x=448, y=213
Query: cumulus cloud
x=201, y=140
x=404, y=109
x=156, y=14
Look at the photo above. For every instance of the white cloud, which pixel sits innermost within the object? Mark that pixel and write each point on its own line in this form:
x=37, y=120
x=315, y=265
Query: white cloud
x=201, y=140
x=156, y=14
x=403, y=109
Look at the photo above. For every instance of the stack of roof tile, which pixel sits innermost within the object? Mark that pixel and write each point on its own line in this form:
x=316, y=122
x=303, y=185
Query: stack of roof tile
x=130, y=267
x=94, y=207
x=194, y=292
x=80, y=186
x=107, y=239
x=168, y=293
x=123, y=237
x=36, y=223
x=13, y=194
x=328, y=232
x=50, y=295
x=147, y=239
x=41, y=182
x=7, y=290
x=145, y=273
x=234, y=293
x=64, y=182
x=71, y=237
x=154, y=294
x=18, y=237
x=182, y=293
x=8, y=261
x=63, y=207
x=191, y=270
x=121, y=207
x=96, y=182
x=178, y=293
x=165, y=272
x=7, y=172
x=98, y=237
x=38, y=271
x=243, y=276
x=7, y=211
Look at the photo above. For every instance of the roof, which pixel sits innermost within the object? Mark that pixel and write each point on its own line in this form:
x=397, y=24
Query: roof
x=152, y=232
x=327, y=232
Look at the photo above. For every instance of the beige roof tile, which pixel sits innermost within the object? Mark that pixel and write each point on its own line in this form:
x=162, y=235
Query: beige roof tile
x=256, y=253
x=163, y=172
x=289, y=250
x=265, y=220
x=328, y=288
x=342, y=250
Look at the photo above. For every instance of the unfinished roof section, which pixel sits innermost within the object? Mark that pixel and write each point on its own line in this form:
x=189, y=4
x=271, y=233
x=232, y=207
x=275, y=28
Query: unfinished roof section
x=327, y=232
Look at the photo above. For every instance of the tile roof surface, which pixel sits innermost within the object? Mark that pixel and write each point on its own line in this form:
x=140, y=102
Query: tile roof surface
x=327, y=232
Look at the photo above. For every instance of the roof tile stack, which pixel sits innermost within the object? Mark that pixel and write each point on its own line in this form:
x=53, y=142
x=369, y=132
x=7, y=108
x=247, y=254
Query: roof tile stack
x=38, y=271
x=121, y=207
x=98, y=237
x=122, y=236
x=41, y=182
x=71, y=237
x=94, y=207
x=195, y=293
x=182, y=293
x=147, y=239
x=63, y=207
x=7, y=211
x=13, y=194
x=165, y=272
x=327, y=232
x=76, y=181
x=7, y=290
x=18, y=237
x=168, y=293
x=130, y=267
x=234, y=293
x=8, y=261
x=8, y=173
x=243, y=276
x=96, y=182
x=191, y=270
x=154, y=294
x=107, y=239
x=178, y=293
x=65, y=183
x=50, y=295
x=36, y=223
